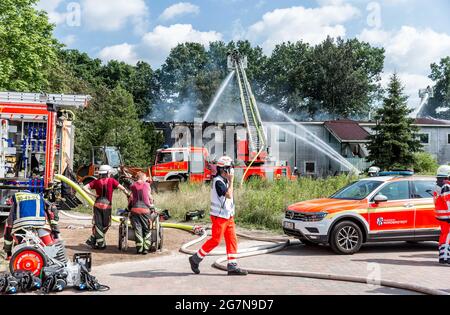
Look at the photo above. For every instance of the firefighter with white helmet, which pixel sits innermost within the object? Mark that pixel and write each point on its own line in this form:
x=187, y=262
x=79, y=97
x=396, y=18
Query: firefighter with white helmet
x=222, y=218
x=374, y=171
x=104, y=187
x=442, y=206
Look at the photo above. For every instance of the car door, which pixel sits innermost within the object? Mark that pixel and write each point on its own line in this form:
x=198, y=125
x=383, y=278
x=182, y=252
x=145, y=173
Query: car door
x=395, y=217
x=426, y=225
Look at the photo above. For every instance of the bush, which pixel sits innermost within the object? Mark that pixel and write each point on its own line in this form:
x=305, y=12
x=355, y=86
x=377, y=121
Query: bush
x=425, y=163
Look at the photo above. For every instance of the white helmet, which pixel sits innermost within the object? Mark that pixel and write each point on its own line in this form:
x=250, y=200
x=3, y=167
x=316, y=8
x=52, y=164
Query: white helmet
x=225, y=161
x=443, y=171
x=104, y=170
x=374, y=170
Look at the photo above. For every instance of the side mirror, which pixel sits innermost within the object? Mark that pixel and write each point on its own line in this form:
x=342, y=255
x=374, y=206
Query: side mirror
x=380, y=199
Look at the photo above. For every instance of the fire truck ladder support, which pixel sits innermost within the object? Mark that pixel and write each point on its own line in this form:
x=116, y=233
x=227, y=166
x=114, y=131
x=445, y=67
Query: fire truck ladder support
x=257, y=136
x=77, y=101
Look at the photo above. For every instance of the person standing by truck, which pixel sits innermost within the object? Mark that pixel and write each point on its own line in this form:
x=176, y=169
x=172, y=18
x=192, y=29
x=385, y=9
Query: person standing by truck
x=442, y=206
x=104, y=187
x=222, y=218
x=141, y=217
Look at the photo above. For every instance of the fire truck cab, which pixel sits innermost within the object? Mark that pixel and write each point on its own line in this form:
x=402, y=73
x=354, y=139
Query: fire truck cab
x=36, y=141
x=182, y=164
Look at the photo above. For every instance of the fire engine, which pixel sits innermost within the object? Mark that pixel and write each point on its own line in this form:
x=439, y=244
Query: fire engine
x=36, y=140
x=182, y=164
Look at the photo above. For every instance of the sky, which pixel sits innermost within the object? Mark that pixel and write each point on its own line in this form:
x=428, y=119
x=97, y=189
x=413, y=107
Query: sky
x=415, y=33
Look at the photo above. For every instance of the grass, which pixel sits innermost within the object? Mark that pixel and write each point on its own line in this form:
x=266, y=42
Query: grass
x=259, y=204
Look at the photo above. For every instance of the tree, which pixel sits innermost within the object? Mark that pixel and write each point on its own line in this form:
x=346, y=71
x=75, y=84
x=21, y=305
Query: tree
x=440, y=74
x=342, y=77
x=286, y=76
x=27, y=46
x=394, y=141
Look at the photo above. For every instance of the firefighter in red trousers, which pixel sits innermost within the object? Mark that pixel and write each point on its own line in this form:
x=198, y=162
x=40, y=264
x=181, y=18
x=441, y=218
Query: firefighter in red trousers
x=222, y=217
x=104, y=187
x=442, y=206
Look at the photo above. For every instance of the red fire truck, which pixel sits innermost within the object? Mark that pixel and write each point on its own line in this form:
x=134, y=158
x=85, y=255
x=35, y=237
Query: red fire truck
x=193, y=164
x=36, y=140
x=182, y=164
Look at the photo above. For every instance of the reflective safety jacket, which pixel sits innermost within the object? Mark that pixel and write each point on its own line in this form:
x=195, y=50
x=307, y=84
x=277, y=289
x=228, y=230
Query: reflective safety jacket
x=442, y=201
x=221, y=206
x=28, y=210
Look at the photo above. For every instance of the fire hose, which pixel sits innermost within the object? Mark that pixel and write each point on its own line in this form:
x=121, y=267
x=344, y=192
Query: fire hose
x=279, y=244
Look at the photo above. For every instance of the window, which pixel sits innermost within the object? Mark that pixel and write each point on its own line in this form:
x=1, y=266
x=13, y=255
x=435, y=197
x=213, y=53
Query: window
x=179, y=156
x=357, y=191
x=113, y=158
x=448, y=138
x=396, y=191
x=310, y=167
x=281, y=136
x=164, y=157
x=423, y=189
x=424, y=138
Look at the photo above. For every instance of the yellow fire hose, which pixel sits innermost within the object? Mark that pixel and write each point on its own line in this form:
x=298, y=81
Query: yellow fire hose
x=116, y=219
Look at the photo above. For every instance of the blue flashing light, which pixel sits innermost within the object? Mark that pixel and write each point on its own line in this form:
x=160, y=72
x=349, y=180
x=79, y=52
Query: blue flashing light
x=396, y=173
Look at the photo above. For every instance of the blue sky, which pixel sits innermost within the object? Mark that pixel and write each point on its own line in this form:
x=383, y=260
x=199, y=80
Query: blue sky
x=414, y=32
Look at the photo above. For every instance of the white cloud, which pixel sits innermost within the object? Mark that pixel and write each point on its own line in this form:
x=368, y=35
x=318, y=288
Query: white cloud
x=410, y=49
x=113, y=15
x=311, y=25
x=69, y=40
x=179, y=9
x=156, y=45
x=123, y=52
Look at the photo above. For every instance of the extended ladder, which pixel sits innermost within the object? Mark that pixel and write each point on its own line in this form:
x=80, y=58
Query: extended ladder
x=253, y=122
x=77, y=101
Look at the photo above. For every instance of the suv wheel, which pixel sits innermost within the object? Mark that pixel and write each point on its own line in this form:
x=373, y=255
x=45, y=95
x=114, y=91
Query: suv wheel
x=346, y=238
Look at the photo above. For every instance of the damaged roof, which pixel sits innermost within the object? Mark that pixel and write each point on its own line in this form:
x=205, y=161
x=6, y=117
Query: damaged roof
x=347, y=131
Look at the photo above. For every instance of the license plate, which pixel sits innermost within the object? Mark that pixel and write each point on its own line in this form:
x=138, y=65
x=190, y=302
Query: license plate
x=289, y=225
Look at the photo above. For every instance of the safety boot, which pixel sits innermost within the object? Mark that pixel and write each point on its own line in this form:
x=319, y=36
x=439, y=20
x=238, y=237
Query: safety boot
x=195, y=263
x=234, y=270
x=91, y=242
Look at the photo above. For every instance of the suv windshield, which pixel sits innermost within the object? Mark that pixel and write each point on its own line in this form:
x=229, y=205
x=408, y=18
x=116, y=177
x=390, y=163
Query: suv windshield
x=357, y=191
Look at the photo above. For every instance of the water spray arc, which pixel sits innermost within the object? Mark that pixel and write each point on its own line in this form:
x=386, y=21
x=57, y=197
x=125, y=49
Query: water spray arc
x=324, y=148
x=219, y=94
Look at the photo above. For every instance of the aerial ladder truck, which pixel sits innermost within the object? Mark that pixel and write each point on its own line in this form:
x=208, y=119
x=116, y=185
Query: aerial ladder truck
x=254, y=150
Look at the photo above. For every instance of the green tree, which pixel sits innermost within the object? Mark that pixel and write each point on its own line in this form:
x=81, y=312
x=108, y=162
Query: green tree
x=394, y=141
x=440, y=74
x=342, y=77
x=425, y=163
x=27, y=46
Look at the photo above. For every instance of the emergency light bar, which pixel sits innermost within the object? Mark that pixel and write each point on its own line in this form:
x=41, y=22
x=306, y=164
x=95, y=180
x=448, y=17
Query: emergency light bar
x=396, y=173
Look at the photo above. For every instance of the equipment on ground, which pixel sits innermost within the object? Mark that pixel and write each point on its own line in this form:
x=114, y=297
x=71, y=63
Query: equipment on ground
x=194, y=215
x=51, y=264
x=126, y=231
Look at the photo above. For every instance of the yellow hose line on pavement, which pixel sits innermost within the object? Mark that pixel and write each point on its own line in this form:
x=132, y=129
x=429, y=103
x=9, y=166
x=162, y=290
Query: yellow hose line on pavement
x=116, y=219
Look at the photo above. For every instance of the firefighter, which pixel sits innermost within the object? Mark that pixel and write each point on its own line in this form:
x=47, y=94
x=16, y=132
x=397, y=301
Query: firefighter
x=140, y=206
x=442, y=206
x=30, y=211
x=104, y=187
x=222, y=217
